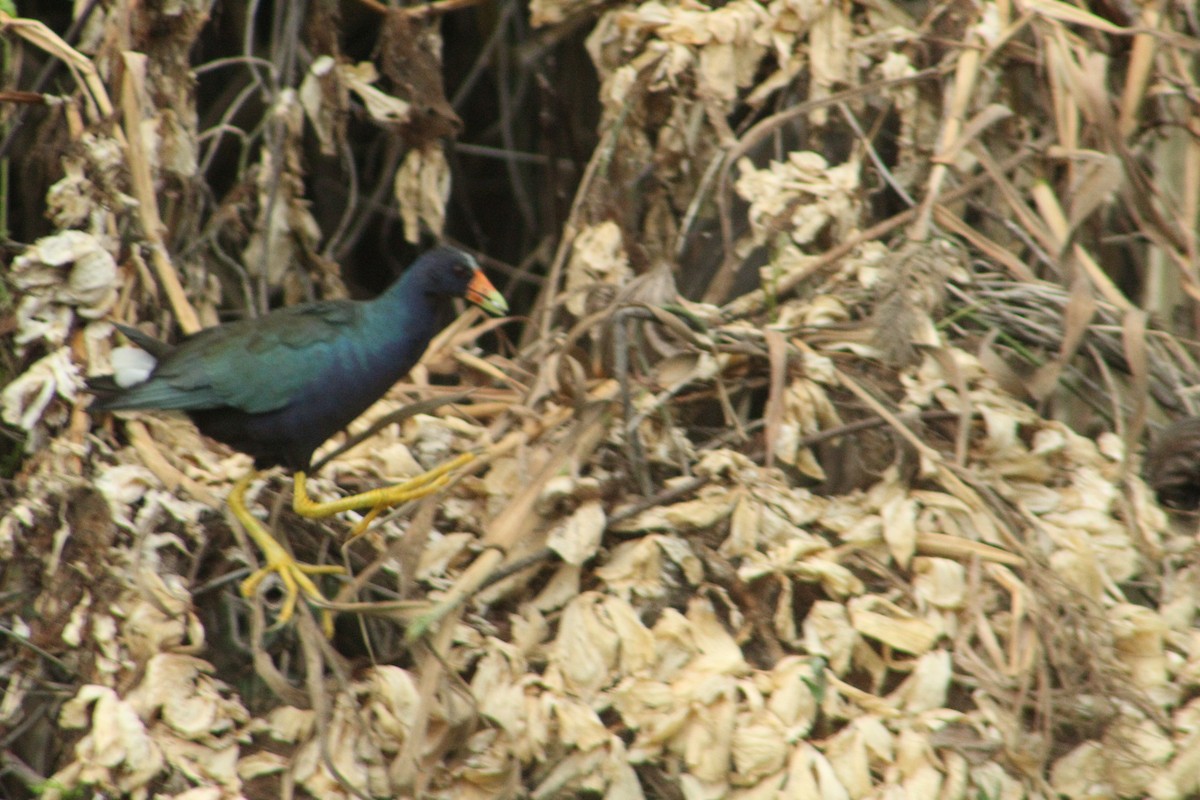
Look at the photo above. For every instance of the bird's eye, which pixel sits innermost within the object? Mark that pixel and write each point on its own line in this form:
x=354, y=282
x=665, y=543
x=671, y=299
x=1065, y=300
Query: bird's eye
x=462, y=271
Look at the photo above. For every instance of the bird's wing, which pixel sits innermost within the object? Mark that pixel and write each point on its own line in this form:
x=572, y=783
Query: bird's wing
x=154, y=347
x=272, y=360
x=255, y=366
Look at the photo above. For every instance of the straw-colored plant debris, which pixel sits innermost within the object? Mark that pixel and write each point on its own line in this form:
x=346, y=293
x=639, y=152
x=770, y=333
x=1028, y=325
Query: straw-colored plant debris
x=810, y=466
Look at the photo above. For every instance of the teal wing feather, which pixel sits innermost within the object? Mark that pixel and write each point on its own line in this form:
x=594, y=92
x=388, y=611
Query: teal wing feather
x=281, y=356
x=256, y=366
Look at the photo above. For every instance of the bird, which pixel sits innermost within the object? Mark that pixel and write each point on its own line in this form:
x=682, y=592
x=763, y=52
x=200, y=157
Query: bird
x=278, y=386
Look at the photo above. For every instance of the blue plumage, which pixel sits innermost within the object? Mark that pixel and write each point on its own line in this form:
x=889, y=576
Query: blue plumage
x=278, y=386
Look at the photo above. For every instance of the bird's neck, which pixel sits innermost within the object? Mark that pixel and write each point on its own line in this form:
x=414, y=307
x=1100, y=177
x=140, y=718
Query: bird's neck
x=403, y=318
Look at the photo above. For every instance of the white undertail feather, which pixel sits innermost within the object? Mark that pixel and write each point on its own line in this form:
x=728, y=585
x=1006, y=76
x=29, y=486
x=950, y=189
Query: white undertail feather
x=131, y=366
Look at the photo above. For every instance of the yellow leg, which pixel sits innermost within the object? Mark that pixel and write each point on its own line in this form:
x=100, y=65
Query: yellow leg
x=376, y=499
x=361, y=526
x=293, y=574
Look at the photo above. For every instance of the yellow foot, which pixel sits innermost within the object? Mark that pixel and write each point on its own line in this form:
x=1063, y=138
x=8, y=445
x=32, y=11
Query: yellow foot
x=377, y=499
x=295, y=578
x=293, y=574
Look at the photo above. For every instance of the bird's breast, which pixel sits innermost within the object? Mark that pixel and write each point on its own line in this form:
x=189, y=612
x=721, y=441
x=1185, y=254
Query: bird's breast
x=346, y=386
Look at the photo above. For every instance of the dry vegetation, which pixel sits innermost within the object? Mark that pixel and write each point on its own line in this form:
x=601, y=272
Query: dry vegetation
x=811, y=466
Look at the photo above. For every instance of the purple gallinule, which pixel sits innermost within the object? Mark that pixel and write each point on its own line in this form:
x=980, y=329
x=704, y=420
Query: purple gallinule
x=278, y=386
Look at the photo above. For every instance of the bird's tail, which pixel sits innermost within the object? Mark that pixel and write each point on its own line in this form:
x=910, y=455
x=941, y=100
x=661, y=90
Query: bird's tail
x=105, y=389
x=131, y=366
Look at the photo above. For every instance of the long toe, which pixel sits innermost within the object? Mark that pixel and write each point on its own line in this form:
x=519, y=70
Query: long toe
x=377, y=499
x=294, y=576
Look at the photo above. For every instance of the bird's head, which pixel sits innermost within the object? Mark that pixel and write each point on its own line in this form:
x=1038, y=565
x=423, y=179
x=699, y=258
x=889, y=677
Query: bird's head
x=452, y=273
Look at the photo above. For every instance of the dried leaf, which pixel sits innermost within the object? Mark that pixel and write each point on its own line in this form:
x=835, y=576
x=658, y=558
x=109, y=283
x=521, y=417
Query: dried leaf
x=894, y=628
x=422, y=188
x=577, y=539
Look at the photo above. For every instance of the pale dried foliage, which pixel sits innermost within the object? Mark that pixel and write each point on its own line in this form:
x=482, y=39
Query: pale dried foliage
x=872, y=529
